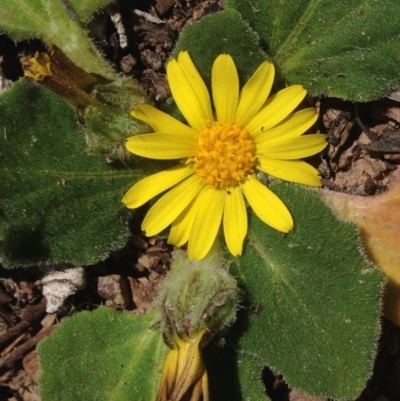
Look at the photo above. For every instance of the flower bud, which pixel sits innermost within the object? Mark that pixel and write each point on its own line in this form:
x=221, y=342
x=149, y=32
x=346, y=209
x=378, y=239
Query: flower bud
x=197, y=296
x=197, y=300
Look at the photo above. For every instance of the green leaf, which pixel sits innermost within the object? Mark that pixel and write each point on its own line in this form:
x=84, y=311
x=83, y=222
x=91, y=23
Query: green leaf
x=341, y=49
x=101, y=356
x=313, y=301
x=59, y=203
x=49, y=21
x=109, y=124
x=85, y=9
x=224, y=32
x=234, y=376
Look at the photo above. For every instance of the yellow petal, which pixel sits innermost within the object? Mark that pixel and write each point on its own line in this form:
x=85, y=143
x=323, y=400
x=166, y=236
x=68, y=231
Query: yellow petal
x=170, y=205
x=235, y=220
x=225, y=88
x=162, y=146
x=206, y=223
x=197, y=83
x=151, y=186
x=189, y=92
x=292, y=126
x=277, y=107
x=254, y=93
x=267, y=206
x=291, y=170
x=294, y=148
x=182, y=225
x=160, y=121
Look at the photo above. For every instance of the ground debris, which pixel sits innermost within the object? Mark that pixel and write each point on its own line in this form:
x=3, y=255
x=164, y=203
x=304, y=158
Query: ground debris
x=358, y=161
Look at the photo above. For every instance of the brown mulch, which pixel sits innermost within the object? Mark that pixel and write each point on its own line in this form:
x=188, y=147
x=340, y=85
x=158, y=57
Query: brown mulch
x=364, y=148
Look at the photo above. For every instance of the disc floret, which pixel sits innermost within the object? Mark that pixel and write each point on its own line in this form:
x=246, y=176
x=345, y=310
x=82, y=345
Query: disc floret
x=225, y=155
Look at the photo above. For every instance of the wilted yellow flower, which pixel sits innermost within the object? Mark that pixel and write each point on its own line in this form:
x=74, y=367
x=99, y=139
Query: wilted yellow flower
x=222, y=147
x=38, y=67
x=57, y=72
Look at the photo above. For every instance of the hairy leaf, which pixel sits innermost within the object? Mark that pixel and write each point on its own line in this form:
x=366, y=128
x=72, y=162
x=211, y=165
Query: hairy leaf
x=101, y=356
x=85, y=9
x=224, y=32
x=342, y=49
x=234, y=376
x=59, y=204
x=379, y=220
x=313, y=301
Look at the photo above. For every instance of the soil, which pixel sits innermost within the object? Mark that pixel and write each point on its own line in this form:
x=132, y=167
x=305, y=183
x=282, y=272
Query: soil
x=363, y=151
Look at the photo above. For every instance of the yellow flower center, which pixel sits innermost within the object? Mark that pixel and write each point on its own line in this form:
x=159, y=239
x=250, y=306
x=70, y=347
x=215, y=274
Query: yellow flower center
x=225, y=155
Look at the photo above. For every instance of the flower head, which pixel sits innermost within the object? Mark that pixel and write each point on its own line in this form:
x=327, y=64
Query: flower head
x=224, y=144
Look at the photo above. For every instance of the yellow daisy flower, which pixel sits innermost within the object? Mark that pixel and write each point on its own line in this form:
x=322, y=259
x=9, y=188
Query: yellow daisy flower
x=222, y=149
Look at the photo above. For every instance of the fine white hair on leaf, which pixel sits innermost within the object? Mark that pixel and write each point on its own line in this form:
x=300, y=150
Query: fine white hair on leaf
x=68, y=10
